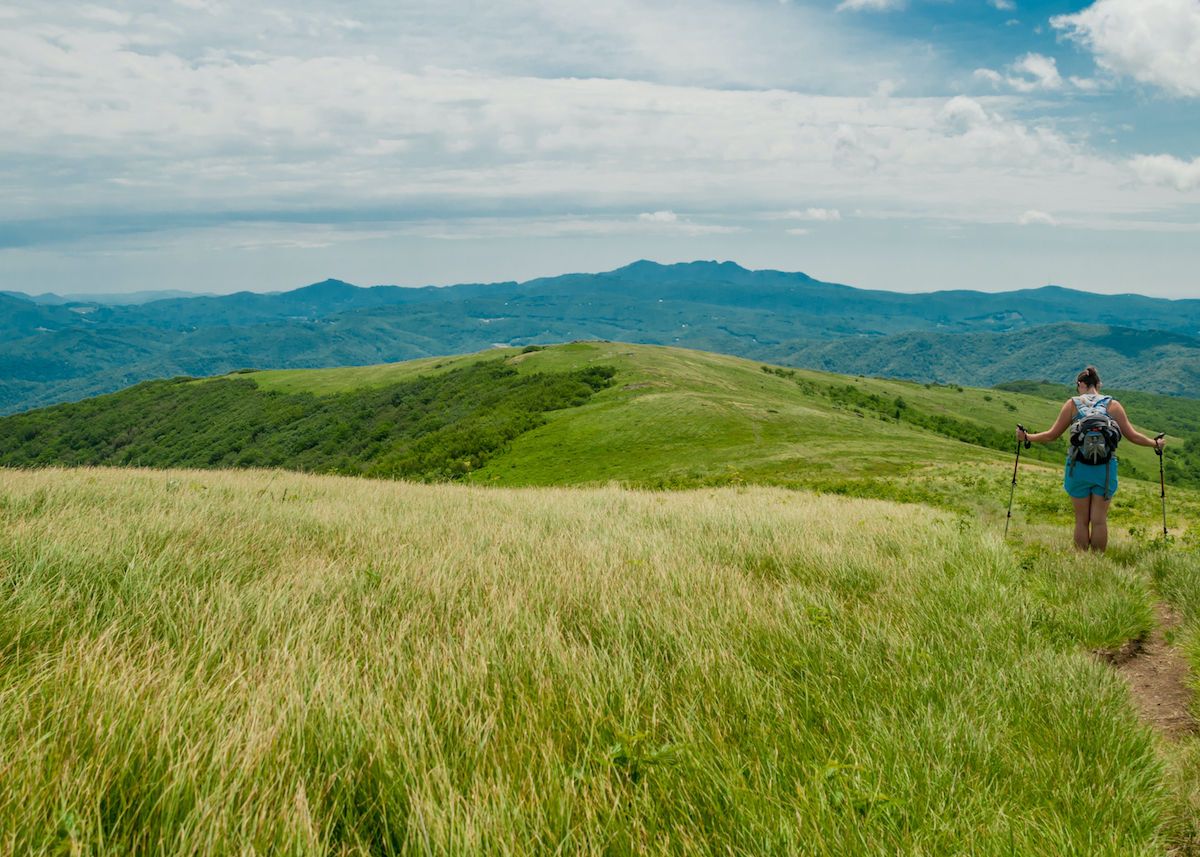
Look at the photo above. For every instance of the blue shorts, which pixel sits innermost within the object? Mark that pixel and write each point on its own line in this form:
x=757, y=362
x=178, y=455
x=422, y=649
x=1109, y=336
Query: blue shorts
x=1081, y=480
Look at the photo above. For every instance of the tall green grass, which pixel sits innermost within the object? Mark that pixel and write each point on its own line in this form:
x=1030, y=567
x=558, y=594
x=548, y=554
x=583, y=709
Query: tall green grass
x=263, y=663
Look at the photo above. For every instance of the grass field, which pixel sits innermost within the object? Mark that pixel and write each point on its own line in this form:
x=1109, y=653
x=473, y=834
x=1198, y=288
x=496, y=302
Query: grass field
x=560, y=657
x=270, y=663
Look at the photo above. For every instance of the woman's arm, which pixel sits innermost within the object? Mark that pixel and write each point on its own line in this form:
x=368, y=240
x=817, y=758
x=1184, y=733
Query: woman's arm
x=1127, y=430
x=1055, y=431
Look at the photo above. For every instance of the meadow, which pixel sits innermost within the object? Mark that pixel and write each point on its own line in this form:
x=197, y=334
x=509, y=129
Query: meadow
x=584, y=413
x=685, y=604
x=271, y=663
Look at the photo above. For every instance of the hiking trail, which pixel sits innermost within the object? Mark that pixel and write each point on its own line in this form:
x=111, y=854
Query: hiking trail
x=1158, y=677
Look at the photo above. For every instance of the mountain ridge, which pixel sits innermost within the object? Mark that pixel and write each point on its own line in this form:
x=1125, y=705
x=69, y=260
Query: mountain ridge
x=65, y=352
x=1160, y=361
x=641, y=269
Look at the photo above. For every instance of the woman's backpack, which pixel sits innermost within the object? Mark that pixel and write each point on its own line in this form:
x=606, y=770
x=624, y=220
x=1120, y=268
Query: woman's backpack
x=1094, y=434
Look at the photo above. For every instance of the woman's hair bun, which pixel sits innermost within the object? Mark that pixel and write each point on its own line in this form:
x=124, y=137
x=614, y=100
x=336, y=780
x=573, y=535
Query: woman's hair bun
x=1089, y=377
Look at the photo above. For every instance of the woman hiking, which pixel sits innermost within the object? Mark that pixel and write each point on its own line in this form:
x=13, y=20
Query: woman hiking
x=1090, y=477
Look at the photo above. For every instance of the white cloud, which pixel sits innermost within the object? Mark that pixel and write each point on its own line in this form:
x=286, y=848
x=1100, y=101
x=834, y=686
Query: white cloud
x=870, y=5
x=702, y=42
x=1152, y=41
x=105, y=15
x=552, y=227
x=708, y=42
x=1035, y=71
x=659, y=217
x=798, y=231
x=854, y=148
x=1168, y=171
x=886, y=89
x=132, y=129
x=990, y=75
x=1035, y=217
x=1003, y=5
x=825, y=214
x=961, y=114
x=159, y=133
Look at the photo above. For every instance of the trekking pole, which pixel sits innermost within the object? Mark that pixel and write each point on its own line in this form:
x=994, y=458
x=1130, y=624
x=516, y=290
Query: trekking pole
x=1162, y=481
x=1013, y=491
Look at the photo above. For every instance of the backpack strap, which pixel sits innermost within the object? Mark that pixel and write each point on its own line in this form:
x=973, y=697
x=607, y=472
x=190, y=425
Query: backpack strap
x=1103, y=402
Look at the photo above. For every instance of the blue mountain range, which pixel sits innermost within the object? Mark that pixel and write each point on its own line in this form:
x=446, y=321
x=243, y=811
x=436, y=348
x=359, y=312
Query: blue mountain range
x=53, y=351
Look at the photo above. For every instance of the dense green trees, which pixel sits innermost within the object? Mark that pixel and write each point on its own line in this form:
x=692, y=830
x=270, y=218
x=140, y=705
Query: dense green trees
x=435, y=427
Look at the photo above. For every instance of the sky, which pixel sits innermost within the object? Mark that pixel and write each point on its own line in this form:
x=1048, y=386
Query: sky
x=912, y=145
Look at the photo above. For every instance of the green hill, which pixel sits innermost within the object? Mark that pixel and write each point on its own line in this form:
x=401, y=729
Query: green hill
x=436, y=426
x=576, y=414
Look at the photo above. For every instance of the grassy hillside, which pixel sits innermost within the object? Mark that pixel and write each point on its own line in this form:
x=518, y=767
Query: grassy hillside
x=667, y=417
x=672, y=409
x=217, y=663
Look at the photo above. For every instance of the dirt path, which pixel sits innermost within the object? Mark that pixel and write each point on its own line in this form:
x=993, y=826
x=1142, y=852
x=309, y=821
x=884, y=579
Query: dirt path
x=1158, y=677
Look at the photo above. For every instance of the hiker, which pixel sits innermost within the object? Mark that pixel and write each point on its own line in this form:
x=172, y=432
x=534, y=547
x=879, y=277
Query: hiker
x=1097, y=424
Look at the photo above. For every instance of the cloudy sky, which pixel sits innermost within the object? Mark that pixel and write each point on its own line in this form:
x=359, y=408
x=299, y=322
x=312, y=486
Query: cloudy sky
x=215, y=145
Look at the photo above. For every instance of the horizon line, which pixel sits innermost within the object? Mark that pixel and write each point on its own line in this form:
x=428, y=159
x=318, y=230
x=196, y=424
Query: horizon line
x=185, y=294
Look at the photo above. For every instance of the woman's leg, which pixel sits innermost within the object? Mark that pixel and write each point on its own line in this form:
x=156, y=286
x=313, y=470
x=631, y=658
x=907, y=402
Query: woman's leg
x=1099, y=517
x=1083, y=519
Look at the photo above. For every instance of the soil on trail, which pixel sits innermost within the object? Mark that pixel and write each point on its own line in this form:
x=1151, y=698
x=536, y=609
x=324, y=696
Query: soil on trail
x=1158, y=677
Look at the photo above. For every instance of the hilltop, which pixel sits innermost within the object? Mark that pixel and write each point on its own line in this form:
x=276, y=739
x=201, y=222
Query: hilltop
x=51, y=353
x=575, y=414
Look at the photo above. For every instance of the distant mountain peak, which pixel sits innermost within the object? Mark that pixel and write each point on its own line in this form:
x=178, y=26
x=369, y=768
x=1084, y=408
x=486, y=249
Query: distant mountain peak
x=325, y=288
x=647, y=265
